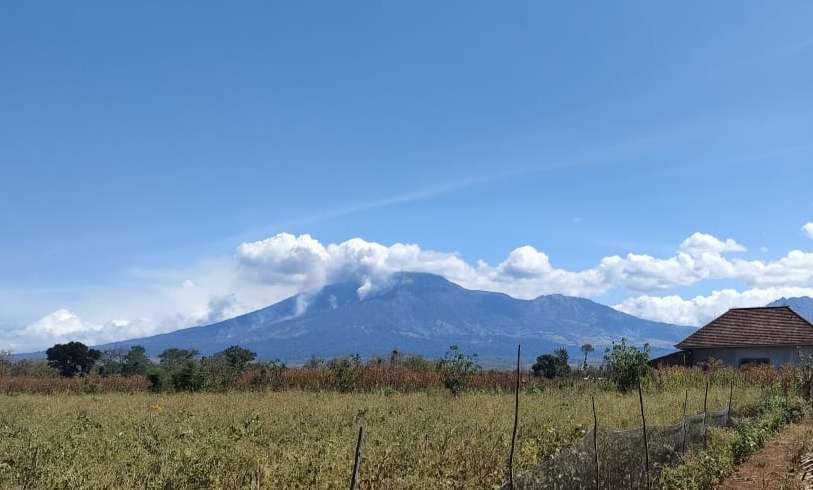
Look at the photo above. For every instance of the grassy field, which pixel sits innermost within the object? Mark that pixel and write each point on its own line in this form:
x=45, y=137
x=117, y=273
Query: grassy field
x=300, y=439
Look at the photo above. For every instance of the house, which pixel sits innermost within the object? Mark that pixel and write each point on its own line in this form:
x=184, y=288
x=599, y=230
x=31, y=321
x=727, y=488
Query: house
x=770, y=335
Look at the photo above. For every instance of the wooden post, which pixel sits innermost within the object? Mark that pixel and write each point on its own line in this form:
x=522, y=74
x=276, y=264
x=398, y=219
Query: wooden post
x=730, y=399
x=705, y=406
x=516, y=423
x=595, y=441
x=685, y=402
x=357, y=461
x=646, y=441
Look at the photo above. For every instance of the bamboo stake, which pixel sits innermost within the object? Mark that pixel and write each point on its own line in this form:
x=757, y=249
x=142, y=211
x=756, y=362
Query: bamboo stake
x=646, y=441
x=516, y=423
x=730, y=399
x=595, y=441
x=357, y=461
x=705, y=405
x=685, y=402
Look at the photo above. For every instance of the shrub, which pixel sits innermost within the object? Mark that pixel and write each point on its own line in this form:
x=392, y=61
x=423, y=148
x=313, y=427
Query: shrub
x=625, y=364
x=456, y=369
x=158, y=380
x=269, y=375
x=552, y=365
x=189, y=376
x=347, y=371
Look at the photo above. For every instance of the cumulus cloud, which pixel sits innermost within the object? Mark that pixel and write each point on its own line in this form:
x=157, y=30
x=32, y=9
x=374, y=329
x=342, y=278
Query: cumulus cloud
x=265, y=271
x=702, y=309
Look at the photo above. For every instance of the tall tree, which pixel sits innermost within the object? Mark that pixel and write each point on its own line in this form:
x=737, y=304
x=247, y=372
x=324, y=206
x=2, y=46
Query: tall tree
x=237, y=357
x=72, y=358
x=136, y=362
x=587, y=349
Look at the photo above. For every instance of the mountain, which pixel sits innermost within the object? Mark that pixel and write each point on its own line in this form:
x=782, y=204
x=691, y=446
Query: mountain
x=417, y=313
x=802, y=306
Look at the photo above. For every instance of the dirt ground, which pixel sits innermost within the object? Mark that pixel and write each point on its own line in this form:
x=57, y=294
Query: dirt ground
x=775, y=466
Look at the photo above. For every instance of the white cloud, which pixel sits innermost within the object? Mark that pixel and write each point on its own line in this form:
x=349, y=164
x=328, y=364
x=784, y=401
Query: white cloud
x=702, y=309
x=265, y=271
x=808, y=229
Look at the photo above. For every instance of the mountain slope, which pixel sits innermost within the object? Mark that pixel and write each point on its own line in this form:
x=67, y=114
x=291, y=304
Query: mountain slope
x=419, y=313
x=802, y=306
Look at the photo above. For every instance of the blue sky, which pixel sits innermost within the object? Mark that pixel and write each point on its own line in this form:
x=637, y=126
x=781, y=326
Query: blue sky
x=144, y=144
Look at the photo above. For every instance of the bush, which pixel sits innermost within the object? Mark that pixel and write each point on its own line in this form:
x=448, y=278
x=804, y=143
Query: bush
x=347, y=371
x=268, y=376
x=189, y=376
x=158, y=380
x=625, y=364
x=457, y=369
x=552, y=365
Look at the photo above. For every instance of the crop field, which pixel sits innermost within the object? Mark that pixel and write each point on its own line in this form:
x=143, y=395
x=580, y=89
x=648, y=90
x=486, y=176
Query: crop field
x=299, y=439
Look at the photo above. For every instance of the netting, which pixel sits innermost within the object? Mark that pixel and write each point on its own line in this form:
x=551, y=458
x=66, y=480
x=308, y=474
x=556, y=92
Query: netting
x=620, y=454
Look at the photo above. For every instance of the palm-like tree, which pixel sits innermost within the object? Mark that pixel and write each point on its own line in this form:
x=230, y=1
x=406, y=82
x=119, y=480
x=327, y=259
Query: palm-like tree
x=587, y=349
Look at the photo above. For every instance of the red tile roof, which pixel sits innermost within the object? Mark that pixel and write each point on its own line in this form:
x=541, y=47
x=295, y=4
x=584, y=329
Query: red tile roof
x=742, y=327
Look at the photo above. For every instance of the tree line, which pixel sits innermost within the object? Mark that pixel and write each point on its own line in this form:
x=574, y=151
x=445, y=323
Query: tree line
x=177, y=369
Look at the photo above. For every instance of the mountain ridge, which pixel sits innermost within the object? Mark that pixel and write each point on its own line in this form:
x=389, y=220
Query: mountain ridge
x=418, y=313
x=802, y=305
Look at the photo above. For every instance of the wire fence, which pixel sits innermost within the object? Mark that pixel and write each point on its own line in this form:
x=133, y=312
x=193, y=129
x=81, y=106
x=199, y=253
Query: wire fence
x=612, y=459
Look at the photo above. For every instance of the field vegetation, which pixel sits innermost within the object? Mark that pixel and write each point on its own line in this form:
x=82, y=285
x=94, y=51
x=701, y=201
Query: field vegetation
x=213, y=423
x=298, y=439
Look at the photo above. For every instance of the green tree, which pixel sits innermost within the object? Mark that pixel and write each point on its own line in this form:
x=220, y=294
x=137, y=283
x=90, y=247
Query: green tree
x=552, y=365
x=73, y=358
x=136, y=362
x=625, y=364
x=172, y=358
x=586, y=349
x=237, y=358
x=457, y=368
x=188, y=375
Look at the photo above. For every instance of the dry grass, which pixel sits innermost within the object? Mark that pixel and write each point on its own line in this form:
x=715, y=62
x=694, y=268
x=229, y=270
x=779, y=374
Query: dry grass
x=301, y=439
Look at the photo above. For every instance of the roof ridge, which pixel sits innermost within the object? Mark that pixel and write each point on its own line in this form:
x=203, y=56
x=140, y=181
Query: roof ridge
x=777, y=307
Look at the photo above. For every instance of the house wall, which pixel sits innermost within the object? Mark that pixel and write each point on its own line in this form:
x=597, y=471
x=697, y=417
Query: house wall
x=778, y=356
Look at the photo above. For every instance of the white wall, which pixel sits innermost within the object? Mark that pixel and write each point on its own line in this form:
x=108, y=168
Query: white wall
x=733, y=356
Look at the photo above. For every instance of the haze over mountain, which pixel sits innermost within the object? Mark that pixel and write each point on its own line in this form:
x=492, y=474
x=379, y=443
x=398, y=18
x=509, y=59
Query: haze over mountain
x=802, y=306
x=417, y=313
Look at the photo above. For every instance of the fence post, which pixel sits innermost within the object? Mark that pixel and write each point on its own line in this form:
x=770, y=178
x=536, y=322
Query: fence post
x=705, y=406
x=357, y=460
x=730, y=399
x=685, y=402
x=646, y=441
x=516, y=423
x=595, y=441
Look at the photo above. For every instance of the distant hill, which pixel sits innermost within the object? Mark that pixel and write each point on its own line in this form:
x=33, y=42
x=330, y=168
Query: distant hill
x=802, y=306
x=422, y=314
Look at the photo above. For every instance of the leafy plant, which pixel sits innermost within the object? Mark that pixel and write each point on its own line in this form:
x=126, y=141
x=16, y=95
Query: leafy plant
x=456, y=369
x=625, y=363
x=347, y=372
